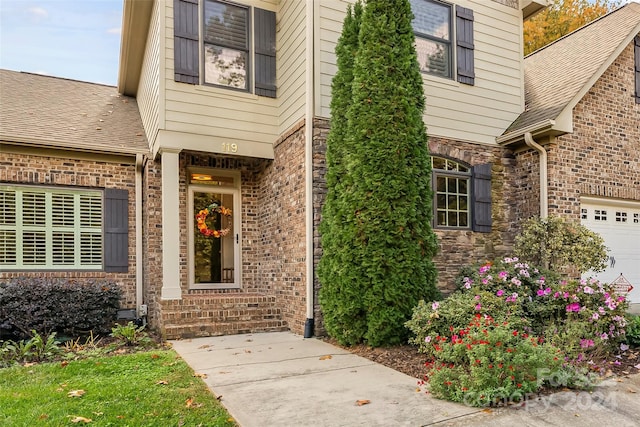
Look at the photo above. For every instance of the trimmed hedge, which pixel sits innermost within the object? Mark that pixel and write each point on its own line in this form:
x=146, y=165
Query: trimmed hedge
x=66, y=306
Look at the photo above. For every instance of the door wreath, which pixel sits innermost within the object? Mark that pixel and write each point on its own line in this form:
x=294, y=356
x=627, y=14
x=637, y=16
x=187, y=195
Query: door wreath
x=201, y=218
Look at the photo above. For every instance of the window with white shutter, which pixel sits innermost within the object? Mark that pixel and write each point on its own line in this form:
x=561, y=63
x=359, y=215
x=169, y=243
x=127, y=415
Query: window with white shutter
x=50, y=228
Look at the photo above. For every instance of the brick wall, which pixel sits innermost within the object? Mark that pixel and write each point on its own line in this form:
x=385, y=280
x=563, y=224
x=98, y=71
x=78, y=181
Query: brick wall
x=464, y=247
x=273, y=230
x=457, y=248
x=600, y=158
x=152, y=240
x=282, y=226
x=29, y=169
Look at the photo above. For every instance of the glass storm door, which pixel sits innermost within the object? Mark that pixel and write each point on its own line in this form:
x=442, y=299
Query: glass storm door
x=214, y=239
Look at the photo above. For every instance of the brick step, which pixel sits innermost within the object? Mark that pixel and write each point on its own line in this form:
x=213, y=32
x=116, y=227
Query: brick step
x=224, y=314
x=217, y=329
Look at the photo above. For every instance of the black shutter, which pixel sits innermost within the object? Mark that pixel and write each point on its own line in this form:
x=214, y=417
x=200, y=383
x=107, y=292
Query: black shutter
x=116, y=230
x=481, y=177
x=637, y=66
x=185, y=41
x=464, y=42
x=265, y=59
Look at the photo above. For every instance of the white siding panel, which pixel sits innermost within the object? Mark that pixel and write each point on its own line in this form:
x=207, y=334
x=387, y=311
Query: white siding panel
x=216, y=113
x=291, y=65
x=472, y=113
x=149, y=86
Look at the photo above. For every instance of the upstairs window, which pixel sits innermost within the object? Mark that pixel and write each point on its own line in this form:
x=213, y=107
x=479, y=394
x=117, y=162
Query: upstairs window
x=229, y=59
x=226, y=44
x=434, y=30
x=462, y=195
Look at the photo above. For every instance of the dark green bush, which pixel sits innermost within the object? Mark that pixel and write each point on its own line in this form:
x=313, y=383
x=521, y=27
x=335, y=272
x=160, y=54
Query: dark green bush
x=68, y=307
x=632, y=333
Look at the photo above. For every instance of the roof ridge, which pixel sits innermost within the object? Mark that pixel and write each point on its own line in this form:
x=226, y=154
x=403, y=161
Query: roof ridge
x=58, y=78
x=588, y=24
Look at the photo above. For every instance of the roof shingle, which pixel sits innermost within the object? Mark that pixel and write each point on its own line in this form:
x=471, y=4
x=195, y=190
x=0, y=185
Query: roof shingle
x=557, y=73
x=48, y=111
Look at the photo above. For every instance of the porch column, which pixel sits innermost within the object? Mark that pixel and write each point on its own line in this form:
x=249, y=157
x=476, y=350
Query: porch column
x=170, y=226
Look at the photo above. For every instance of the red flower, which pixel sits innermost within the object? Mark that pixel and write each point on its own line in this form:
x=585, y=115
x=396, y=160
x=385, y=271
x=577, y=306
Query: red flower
x=515, y=333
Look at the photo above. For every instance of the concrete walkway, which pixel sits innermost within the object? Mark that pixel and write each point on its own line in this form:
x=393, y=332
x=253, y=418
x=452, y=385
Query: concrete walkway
x=281, y=379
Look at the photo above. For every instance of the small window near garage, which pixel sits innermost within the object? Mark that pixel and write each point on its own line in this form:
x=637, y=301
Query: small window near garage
x=583, y=214
x=452, y=193
x=600, y=215
x=621, y=217
x=636, y=218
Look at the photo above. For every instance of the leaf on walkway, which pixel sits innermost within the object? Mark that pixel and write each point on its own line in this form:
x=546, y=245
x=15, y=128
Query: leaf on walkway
x=362, y=402
x=162, y=382
x=77, y=419
x=76, y=393
x=198, y=375
x=630, y=390
x=326, y=357
x=204, y=346
x=487, y=410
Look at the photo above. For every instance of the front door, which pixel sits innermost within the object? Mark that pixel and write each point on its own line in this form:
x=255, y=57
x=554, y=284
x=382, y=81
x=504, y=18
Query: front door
x=214, y=231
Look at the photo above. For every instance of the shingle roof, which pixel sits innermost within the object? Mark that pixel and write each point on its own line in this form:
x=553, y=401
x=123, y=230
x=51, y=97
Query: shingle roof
x=55, y=112
x=557, y=75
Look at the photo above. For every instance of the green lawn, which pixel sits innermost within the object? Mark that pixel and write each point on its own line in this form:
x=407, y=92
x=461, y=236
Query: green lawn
x=153, y=388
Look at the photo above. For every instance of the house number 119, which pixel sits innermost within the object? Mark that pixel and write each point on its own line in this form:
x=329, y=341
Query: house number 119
x=229, y=148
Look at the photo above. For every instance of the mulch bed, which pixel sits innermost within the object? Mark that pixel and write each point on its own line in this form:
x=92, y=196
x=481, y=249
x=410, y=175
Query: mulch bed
x=406, y=359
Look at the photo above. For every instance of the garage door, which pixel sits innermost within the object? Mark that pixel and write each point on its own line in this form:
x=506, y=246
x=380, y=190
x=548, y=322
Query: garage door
x=618, y=222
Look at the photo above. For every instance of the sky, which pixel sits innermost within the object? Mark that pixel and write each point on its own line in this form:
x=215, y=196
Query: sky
x=75, y=39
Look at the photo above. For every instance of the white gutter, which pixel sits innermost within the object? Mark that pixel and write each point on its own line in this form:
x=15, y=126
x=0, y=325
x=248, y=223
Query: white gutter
x=544, y=185
x=538, y=127
x=139, y=284
x=308, y=154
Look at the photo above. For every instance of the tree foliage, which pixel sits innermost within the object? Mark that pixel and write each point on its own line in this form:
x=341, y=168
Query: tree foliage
x=556, y=243
x=377, y=240
x=561, y=18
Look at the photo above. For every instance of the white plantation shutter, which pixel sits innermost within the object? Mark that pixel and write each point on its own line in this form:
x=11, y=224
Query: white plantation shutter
x=33, y=206
x=90, y=229
x=7, y=227
x=34, y=248
x=62, y=210
x=50, y=229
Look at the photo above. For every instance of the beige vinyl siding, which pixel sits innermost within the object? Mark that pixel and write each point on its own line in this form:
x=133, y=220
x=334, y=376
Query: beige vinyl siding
x=476, y=113
x=219, y=114
x=331, y=15
x=149, y=86
x=291, y=65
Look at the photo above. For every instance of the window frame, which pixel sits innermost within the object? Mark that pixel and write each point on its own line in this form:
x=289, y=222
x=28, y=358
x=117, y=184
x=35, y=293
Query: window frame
x=48, y=228
x=449, y=43
x=456, y=174
x=233, y=189
x=249, y=30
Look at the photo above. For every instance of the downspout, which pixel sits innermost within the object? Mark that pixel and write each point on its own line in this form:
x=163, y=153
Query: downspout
x=544, y=185
x=308, y=154
x=141, y=310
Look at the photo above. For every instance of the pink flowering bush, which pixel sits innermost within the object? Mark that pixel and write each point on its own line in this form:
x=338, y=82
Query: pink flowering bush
x=575, y=321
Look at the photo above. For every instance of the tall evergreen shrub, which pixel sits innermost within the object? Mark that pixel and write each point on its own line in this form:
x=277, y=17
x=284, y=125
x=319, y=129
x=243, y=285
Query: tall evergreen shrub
x=341, y=299
x=377, y=236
